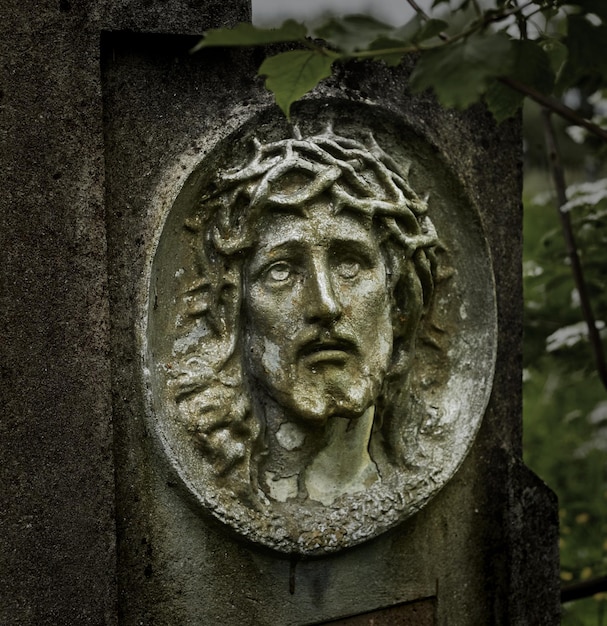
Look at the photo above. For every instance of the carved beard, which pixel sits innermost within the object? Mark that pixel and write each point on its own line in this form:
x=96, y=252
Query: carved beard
x=316, y=386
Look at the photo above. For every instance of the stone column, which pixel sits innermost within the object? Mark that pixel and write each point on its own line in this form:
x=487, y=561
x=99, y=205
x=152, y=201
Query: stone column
x=57, y=514
x=119, y=506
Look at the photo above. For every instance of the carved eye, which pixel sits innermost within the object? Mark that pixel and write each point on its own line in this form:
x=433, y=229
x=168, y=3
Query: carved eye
x=348, y=268
x=279, y=272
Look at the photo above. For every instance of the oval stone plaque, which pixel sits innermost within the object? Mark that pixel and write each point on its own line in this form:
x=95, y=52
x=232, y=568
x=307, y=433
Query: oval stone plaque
x=320, y=327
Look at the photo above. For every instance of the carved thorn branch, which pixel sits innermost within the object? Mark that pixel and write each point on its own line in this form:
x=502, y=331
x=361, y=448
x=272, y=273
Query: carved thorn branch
x=571, y=246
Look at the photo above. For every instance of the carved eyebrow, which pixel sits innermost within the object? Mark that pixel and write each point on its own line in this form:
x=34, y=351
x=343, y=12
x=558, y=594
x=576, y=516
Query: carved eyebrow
x=266, y=255
x=356, y=246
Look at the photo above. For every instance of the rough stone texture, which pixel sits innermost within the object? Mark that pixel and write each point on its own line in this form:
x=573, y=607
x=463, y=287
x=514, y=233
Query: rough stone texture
x=56, y=522
x=485, y=547
x=419, y=613
x=468, y=546
x=57, y=506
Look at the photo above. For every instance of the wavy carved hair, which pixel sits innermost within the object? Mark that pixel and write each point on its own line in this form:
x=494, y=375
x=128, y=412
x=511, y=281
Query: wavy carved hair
x=210, y=387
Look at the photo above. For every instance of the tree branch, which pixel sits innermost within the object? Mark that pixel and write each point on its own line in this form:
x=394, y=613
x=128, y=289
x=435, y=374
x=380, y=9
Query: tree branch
x=554, y=106
x=585, y=589
x=496, y=16
x=413, y=4
x=521, y=22
x=576, y=266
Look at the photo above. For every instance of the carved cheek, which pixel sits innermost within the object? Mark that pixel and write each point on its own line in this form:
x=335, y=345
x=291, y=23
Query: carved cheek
x=270, y=358
x=374, y=317
x=372, y=297
x=273, y=322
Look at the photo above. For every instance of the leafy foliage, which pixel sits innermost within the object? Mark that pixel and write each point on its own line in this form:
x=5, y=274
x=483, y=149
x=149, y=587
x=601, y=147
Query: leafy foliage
x=565, y=406
x=530, y=65
x=586, y=58
x=460, y=73
x=501, y=54
x=353, y=32
x=292, y=74
x=248, y=35
x=552, y=303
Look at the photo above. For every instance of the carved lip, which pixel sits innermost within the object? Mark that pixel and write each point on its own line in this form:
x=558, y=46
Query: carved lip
x=327, y=349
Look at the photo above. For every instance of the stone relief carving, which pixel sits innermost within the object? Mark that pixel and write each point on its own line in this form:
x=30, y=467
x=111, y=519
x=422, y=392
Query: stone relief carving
x=287, y=382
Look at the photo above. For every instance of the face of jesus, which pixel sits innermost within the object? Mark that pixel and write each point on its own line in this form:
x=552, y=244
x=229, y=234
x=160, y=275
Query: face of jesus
x=318, y=314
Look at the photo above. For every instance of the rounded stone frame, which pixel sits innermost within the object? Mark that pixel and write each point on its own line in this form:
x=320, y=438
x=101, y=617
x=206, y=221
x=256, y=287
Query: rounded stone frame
x=181, y=334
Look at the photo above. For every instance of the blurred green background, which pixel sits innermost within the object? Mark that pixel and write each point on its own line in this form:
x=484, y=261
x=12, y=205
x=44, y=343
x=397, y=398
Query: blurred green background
x=565, y=404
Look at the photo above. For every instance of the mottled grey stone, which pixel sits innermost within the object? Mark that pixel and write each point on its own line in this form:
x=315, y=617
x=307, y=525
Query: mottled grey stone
x=405, y=396
x=57, y=524
x=90, y=119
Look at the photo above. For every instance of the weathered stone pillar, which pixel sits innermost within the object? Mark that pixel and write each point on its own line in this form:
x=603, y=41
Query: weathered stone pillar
x=253, y=372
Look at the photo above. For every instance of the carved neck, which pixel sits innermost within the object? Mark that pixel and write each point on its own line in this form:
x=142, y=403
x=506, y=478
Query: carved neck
x=319, y=463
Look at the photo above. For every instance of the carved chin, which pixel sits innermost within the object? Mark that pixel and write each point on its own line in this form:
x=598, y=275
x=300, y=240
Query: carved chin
x=314, y=401
x=316, y=388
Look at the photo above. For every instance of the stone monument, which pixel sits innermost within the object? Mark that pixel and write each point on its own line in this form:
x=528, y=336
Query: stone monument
x=319, y=362
x=273, y=368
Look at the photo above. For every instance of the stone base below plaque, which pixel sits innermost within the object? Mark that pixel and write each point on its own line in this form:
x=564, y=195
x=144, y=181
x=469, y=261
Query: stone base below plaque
x=418, y=613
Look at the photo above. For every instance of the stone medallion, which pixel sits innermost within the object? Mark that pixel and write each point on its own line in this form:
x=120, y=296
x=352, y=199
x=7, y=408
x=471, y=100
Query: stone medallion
x=319, y=332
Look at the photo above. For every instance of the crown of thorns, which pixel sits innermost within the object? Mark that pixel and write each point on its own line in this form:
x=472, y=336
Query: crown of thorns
x=356, y=176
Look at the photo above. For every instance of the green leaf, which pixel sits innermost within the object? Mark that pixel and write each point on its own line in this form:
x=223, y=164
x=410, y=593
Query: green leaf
x=352, y=32
x=382, y=48
x=586, y=45
x=531, y=66
x=556, y=51
x=502, y=101
x=459, y=73
x=290, y=75
x=244, y=34
x=432, y=28
x=403, y=39
x=385, y=43
x=408, y=31
x=355, y=33
x=419, y=29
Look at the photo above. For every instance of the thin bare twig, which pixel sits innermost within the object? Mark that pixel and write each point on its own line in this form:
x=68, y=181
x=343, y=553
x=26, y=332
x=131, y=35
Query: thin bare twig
x=555, y=106
x=521, y=21
x=576, y=266
x=413, y=4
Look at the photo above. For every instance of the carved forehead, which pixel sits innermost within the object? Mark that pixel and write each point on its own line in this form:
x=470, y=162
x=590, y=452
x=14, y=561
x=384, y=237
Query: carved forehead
x=317, y=222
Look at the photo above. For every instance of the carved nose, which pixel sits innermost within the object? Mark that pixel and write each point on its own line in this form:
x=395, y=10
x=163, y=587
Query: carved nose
x=321, y=303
